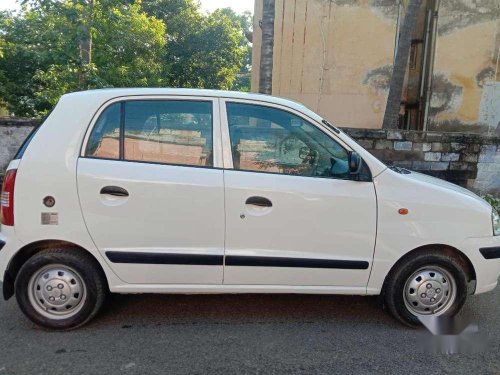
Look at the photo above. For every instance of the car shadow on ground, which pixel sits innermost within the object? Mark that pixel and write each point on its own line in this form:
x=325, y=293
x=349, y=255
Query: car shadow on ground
x=241, y=309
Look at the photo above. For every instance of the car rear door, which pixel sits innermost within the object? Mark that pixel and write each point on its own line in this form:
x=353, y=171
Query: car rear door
x=151, y=190
x=294, y=216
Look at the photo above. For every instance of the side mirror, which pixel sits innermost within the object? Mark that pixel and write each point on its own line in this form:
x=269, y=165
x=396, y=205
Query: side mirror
x=355, y=163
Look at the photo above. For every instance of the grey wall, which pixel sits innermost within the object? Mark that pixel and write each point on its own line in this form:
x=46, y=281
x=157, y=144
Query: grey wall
x=469, y=160
x=12, y=134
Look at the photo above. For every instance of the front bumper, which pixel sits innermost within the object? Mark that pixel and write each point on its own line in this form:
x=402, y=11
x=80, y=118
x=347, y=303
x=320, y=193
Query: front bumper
x=490, y=252
x=487, y=270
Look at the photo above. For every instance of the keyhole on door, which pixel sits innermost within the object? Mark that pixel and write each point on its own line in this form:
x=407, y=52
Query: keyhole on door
x=242, y=216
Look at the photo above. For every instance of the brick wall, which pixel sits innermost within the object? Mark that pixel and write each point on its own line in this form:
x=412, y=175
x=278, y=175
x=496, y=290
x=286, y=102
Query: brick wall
x=12, y=134
x=469, y=160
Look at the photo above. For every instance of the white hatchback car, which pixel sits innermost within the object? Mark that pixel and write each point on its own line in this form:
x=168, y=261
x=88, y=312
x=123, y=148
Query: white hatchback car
x=192, y=191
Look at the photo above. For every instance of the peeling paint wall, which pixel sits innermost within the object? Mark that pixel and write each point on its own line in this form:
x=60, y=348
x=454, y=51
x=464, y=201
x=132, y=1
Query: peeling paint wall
x=333, y=56
x=467, y=53
x=489, y=111
x=336, y=57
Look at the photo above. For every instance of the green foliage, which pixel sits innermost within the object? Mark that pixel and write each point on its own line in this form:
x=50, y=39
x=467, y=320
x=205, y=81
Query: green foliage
x=57, y=46
x=495, y=202
x=244, y=23
x=42, y=58
x=203, y=51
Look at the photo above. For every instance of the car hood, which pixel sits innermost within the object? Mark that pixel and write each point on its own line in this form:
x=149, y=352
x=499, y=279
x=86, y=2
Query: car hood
x=446, y=185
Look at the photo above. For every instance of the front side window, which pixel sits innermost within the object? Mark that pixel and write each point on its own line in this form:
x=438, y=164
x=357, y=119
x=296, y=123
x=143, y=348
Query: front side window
x=270, y=140
x=170, y=132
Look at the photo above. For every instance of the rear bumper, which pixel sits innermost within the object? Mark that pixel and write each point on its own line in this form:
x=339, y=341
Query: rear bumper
x=6, y=282
x=9, y=245
x=7, y=286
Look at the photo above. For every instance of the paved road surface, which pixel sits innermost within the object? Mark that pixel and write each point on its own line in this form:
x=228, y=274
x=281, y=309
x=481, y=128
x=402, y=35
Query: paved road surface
x=243, y=334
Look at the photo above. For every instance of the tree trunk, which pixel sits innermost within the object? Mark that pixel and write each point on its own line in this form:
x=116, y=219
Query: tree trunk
x=266, y=58
x=85, y=43
x=400, y=65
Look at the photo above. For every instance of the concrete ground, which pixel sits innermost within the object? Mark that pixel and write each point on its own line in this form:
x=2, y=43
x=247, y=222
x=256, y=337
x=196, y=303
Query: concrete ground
x=244, y=334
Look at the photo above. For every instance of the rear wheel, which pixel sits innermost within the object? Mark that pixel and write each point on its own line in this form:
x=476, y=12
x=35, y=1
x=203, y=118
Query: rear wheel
x=430, y=283
x=60, y=288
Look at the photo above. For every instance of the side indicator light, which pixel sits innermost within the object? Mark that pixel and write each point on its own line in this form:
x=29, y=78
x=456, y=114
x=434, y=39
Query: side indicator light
x=403, y=211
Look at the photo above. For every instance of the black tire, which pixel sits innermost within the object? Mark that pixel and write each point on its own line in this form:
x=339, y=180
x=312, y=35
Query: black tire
x=89, y=273
x=393, y=292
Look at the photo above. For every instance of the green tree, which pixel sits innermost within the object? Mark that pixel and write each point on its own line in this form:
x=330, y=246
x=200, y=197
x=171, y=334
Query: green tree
x=244, y=22
x=203, y=51
x=56, y=47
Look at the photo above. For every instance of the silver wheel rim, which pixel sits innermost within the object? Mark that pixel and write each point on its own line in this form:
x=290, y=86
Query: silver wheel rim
x=57, y=291
x=430, y=291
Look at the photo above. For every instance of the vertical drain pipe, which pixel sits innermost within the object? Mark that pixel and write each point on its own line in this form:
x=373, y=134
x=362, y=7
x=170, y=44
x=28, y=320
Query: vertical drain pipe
x=398, y=26
x=428, y=92
x=424, y=77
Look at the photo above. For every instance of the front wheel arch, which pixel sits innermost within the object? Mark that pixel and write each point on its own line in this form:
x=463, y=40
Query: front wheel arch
x=451, y=251
x=446, y=249
x=31, y=249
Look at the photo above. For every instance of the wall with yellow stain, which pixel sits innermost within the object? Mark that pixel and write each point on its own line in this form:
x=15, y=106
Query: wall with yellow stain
x=336, y=56
x=323, y=51
x=466, y=60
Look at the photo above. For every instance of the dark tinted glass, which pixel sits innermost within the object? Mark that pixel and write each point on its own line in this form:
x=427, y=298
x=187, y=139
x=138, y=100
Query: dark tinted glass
x=265, y=139
x=104, y=141
x=169, y=131
x=26, y=143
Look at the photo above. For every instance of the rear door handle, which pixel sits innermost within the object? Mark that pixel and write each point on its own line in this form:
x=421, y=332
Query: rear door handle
x=115, y=191
x=259, y=201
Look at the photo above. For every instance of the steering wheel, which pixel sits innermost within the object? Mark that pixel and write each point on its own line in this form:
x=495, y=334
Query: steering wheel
x=309, y=164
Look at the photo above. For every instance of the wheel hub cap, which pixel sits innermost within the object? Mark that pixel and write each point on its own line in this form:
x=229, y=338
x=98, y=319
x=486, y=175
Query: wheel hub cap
x=57, y=291
x=430, y=291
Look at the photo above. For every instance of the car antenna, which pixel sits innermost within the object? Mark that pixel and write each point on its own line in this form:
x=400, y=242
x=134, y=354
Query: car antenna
x=334, y=128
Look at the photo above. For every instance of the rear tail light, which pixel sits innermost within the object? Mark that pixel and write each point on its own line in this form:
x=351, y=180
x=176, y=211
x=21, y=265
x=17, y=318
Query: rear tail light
x=7, y=198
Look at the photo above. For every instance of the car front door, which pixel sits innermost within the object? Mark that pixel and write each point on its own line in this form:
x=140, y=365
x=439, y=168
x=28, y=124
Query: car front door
x=150, y=190
x=294, y=214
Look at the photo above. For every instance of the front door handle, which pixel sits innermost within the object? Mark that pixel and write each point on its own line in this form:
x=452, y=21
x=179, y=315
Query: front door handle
x=259, y=201
x=115, y=191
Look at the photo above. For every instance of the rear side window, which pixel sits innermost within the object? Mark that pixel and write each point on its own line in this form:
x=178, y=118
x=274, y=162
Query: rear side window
x=26, y=143
x=20, y=153
x=104, y=141
x=169, y=132
x=175, y=132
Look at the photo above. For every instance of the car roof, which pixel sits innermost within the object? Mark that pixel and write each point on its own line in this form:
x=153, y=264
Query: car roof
x=112, y=93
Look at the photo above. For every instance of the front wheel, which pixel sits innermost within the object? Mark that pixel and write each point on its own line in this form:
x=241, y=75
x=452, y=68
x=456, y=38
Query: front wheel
x=60, y=288
x=430, y=283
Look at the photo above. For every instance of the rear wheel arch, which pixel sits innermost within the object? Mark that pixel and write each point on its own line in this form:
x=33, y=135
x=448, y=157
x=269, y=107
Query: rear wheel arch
x=31, y=249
